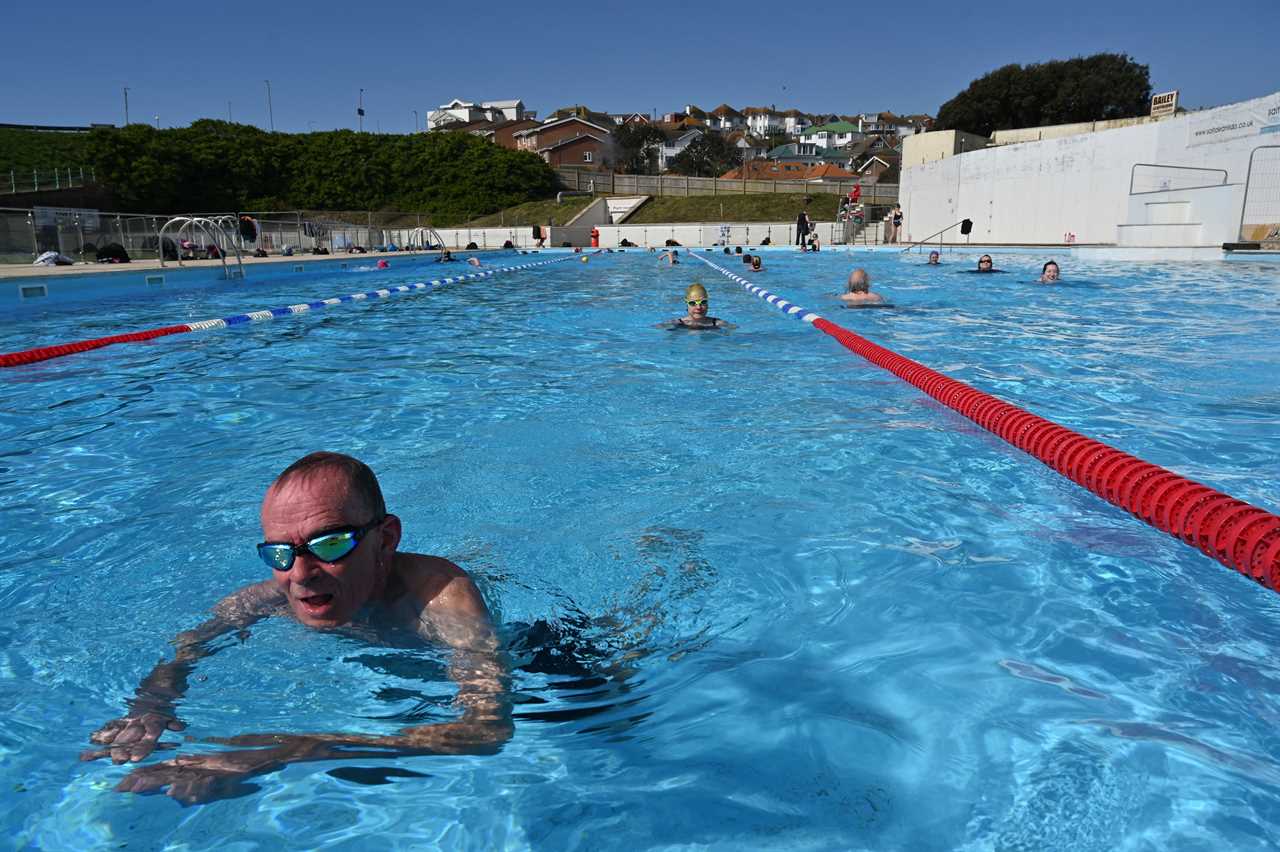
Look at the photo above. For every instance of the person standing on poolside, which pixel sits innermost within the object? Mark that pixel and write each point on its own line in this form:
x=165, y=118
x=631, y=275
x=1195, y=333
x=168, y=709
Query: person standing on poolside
x=696, y=316
x=897, y=223
x=858, y=293
x=802, y=230
x=1049, y=273
x=332, y=548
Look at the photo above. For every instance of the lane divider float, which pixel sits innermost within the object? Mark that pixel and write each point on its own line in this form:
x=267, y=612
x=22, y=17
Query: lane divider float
x=1236, y=533
x=45, y=353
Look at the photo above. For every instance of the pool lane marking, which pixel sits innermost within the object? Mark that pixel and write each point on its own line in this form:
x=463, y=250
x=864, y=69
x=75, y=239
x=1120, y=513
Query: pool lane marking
x=45, y=353
x=1237, y=534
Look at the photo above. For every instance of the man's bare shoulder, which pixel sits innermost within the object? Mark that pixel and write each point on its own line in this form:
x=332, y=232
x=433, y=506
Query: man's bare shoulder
x=443, y=601
x=441, y=586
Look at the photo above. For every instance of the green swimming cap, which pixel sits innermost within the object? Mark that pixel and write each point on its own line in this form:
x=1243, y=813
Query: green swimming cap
x=695, y=291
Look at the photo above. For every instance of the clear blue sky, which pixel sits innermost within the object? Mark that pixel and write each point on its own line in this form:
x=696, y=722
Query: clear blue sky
x=65, y=63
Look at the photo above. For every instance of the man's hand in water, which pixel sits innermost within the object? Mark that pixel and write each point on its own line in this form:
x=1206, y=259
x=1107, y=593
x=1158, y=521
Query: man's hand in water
x=132, y=737
x=202, y=778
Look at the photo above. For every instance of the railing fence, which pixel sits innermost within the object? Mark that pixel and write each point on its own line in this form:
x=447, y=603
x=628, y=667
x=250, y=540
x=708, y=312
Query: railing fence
x=680, y=186
x=36, y=180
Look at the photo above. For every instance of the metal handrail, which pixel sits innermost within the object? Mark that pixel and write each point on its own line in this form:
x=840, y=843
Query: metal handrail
x=211, y=229
x=418, y=238
x=1134, y=170
x=919, y=243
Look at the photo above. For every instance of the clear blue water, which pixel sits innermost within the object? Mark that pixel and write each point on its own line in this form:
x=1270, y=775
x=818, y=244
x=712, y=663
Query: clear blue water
x=815, y=609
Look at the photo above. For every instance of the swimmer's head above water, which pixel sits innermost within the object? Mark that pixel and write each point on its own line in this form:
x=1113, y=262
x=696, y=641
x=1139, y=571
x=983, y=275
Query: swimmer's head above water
x=695, y=299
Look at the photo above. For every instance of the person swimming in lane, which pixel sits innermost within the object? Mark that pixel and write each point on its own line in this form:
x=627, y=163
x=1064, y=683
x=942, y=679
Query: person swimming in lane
x=696, y=317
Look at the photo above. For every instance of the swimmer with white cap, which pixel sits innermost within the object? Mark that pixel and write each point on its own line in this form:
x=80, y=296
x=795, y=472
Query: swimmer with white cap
x=696, y=317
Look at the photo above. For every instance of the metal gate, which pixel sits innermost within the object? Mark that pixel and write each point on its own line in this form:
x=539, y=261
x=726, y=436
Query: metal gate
x=1260, y=214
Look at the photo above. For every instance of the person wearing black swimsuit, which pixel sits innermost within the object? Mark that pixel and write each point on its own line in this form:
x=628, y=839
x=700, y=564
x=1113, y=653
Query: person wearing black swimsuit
x=696, y=318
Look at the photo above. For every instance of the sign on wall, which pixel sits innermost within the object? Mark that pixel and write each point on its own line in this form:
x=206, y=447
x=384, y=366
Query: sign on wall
x=1165, y=103
x=1222, y=125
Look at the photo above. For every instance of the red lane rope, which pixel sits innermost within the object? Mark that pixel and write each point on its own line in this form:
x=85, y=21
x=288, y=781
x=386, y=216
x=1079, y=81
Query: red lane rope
x=44, y=353
x=1235, y=533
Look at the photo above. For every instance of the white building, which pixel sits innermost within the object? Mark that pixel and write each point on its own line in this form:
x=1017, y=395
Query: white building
x=458, y=111
x=794, y=122
x=834, y=135
x=763, y=121
x=1198, y=179
x=667, y=151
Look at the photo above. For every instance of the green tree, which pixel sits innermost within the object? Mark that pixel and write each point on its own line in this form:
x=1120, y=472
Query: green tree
x=1090, y=88
x=635, y=143
x=707, y=156
x=216, y=166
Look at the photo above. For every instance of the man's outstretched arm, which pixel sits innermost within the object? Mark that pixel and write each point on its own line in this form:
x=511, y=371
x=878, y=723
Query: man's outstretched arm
x=455, y=615
x=152, y=710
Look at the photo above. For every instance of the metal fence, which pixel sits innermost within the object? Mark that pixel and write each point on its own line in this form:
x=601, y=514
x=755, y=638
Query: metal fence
x=35, y=180
x=79, y=233
x=616, y=184
x=1260, y=211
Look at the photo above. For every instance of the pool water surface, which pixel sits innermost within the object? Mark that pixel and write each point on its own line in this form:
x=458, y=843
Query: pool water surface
x=759, y=593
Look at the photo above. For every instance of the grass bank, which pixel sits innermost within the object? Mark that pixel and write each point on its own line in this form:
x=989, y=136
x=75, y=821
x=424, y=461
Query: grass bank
x=763, y=207
x=534, y=213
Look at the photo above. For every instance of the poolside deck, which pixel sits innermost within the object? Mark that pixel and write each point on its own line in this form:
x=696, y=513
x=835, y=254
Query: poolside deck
x=20, y=271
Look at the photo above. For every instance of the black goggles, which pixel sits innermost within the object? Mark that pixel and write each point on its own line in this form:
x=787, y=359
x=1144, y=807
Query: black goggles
x=328, y=546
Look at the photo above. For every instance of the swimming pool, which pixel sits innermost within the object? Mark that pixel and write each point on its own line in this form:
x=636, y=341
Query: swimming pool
x=807, y=607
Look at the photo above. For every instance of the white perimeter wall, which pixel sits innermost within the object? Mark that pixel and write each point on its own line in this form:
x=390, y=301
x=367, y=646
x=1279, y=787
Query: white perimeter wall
x=1036, y=192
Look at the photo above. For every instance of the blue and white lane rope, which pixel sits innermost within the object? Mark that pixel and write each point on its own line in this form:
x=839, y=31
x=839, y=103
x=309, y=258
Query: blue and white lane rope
x=44, y=353
x=791, y=309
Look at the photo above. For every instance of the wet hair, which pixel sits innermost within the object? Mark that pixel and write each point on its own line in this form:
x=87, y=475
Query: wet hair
x=1047, y=264
x=737, y=250
x=864, y=286
x=755, y=261
x=360, y=478
x=726, y=250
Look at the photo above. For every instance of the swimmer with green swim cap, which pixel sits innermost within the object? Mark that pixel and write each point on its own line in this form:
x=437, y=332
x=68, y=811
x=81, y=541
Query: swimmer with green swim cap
x=696, y=317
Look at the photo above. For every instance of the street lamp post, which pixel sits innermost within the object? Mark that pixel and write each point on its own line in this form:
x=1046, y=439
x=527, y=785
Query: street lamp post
x=229, y=119
x=126, y=106
x=271, y=113
x=415, y=121
x=360, y=111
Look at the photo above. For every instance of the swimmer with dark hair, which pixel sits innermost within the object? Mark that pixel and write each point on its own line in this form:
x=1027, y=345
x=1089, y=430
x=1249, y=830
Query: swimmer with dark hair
x=984, y=265
x=446, y=257
x=746, y=259
x=1049, y=273
x=670, y=257
x=756, y=264
x=737, y=249
x=858, y=293
x=696, y=317
x=935, y=259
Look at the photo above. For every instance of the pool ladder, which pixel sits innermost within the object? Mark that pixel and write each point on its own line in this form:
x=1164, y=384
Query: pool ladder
x=423, y=238
x=220, y=232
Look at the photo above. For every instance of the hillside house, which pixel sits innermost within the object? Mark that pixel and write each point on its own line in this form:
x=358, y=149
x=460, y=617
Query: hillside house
x=460, y=112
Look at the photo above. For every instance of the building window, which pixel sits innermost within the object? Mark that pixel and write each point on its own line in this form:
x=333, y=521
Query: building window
x=586, y=156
